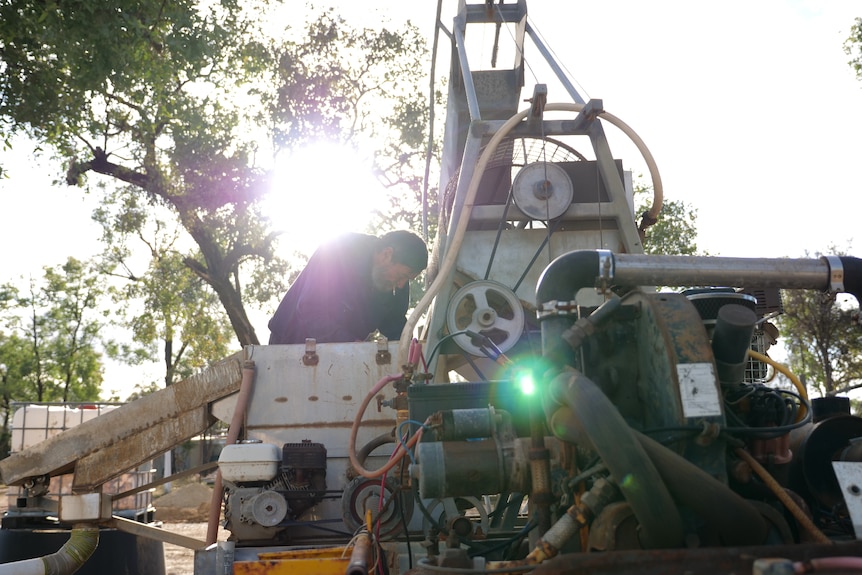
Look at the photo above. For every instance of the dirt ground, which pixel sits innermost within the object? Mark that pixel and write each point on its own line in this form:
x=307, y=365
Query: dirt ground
x=185, y=511
x=179, y=560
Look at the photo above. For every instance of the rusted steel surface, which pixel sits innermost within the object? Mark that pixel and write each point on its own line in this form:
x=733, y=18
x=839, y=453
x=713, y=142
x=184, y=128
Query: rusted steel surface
x=129, y=423
x=100, y=466
x=712, y=561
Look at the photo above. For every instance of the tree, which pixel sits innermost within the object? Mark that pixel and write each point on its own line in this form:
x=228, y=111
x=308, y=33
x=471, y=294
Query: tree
x=143, y=92
x=823, y=339
x=172, y=99
x=853, y=47
x=675, y=232
x=166, y=304
x=55, y=335
x=363, y=87
x=16, y=363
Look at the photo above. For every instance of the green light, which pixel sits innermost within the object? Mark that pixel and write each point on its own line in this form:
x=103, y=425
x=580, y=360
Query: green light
x=525, y=383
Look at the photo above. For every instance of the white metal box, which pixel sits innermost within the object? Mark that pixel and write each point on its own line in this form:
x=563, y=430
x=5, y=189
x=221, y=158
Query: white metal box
x=241, y=462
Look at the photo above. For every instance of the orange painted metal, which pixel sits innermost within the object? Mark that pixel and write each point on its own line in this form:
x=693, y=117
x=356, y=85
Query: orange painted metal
x=327, y=561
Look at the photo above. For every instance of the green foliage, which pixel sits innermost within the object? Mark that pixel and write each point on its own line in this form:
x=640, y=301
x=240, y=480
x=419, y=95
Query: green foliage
x=174, y=99
x=153, y=95
x=173, y=315
x=853, y=47
x=363, y=87
x=51, y=349
x=675, y=232
x=823, y=340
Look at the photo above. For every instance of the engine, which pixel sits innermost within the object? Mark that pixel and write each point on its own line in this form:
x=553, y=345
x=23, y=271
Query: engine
x=650, y=424
x=267, y=487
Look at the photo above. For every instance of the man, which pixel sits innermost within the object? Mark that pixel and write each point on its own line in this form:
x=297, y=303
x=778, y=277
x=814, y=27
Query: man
x=351, y=287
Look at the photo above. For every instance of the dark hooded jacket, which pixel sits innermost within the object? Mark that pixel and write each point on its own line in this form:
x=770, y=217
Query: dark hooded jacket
x=333, y=299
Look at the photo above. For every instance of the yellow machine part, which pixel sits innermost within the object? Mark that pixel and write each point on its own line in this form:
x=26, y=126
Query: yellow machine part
x=328, y=561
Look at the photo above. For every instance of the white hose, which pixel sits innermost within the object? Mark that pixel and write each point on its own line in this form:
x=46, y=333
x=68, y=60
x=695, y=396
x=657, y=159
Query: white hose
x=69, y=558
x=458, y=237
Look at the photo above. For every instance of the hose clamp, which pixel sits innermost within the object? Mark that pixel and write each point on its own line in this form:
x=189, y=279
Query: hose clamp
x=836, y=273
x=555, y=308
x=606, y=269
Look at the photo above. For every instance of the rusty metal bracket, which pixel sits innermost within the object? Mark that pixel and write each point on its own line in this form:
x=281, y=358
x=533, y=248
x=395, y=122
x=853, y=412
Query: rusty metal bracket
x=310, y=358
x=383, y=356
x=537, y=104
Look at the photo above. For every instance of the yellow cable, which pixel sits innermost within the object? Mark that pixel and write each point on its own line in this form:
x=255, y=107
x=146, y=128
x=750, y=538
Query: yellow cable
x=782, y=495
x=800, y=387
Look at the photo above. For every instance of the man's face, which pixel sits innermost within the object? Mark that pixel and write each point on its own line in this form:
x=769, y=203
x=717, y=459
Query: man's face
x=387, y=275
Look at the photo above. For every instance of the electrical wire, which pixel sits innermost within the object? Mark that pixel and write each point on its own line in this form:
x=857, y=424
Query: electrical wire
x=779, y=429
x=797, y=383
x=405, y=527
x=446, y=338
x=525, y=530
x=354, y=431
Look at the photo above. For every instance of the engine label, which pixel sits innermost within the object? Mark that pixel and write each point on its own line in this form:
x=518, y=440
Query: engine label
x=697, y=390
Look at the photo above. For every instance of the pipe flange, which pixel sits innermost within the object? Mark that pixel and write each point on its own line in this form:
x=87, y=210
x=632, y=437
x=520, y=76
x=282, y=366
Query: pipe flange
x=836, y=273
x=606, y=269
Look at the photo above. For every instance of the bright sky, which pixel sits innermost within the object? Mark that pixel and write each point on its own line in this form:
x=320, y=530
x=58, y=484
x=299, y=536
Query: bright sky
x=749, y=108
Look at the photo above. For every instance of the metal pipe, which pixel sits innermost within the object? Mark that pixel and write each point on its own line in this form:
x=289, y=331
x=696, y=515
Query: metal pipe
x=559, y=283
x=825, y=274
x=69, y=558
x=788, y=273
x=466, y=74
x=360, y=557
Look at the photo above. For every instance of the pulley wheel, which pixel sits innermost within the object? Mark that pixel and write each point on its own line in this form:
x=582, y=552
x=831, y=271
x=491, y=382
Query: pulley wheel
x=542, y=190
x=269, y=508
x=487, y=308
x=364, y=494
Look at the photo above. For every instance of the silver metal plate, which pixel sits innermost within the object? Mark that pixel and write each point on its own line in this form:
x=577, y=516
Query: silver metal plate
x=849, y=475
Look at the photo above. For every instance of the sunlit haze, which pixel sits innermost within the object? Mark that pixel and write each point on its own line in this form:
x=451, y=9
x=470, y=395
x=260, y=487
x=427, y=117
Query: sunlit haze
x=319, y=191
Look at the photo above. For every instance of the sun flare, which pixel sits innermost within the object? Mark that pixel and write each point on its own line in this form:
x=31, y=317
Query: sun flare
x=320, y=191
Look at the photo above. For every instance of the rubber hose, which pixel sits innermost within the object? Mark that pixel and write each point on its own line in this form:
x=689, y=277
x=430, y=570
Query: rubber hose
x=737, y=521
x=68, y=559
x=378, y=441
x=852, y=277
x=631, y=468
x=236, y=423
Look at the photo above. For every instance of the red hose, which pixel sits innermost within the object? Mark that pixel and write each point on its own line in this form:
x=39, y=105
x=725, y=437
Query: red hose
x=232, y=435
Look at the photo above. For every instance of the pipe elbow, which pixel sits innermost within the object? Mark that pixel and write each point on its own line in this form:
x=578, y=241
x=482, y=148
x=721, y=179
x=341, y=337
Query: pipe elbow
x=852, y=277
x=567, y=274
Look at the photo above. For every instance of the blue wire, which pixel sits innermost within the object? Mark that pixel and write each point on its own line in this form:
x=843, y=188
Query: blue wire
x=401, y=437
